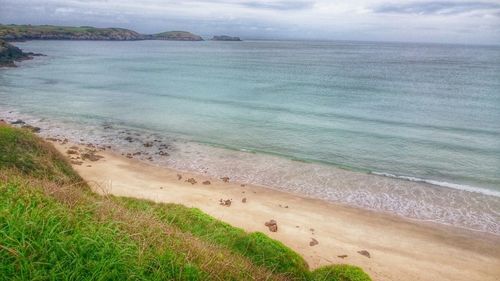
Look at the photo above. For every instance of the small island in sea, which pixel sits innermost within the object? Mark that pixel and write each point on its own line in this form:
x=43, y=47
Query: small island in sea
x=175, y=36
x=225, y=38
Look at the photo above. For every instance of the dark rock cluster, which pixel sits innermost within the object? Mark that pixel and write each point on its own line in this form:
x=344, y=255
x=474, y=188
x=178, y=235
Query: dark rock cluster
x=9, y=54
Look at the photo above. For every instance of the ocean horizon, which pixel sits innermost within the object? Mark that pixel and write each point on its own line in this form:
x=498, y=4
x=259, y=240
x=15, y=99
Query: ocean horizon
x=409, y=129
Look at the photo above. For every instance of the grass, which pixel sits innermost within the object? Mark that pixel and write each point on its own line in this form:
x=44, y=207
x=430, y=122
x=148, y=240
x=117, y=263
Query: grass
x=342, y=272
x=256, y=246
x=28, y=154
x=14, y=31
x=52, y=227
x=18, y=31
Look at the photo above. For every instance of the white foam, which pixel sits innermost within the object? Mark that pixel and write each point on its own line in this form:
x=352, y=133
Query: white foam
x=464, y=187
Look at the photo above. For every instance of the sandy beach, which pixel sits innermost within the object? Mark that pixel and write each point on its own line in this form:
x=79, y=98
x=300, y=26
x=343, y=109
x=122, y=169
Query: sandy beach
x=399, y=249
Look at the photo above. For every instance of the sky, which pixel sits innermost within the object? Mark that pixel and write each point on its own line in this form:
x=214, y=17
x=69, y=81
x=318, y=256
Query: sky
x=444, y=21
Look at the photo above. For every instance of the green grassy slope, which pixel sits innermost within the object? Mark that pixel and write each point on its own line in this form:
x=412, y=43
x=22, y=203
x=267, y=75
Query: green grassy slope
x=29, y=32
x=54, y=32
x=52, y=227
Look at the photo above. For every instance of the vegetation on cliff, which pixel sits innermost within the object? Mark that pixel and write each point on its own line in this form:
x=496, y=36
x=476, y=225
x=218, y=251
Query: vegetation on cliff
x=14, y=32
x=53, y=227
x=51, y=32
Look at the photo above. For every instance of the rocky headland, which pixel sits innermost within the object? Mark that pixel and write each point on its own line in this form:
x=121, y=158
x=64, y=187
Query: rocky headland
x=9, y=54
x=14, y=32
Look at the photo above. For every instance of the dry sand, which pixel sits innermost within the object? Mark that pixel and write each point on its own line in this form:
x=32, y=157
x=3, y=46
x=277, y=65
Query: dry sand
x=399, y=249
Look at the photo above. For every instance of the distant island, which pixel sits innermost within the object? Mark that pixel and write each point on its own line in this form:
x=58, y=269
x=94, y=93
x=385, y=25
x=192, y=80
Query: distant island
x=225, y=38
x=175, y=35
x=14, y=32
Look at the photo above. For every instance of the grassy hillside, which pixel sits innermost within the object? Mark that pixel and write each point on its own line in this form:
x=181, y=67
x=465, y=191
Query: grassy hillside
x=29, y=32
x=53, y=32
x=53, y=227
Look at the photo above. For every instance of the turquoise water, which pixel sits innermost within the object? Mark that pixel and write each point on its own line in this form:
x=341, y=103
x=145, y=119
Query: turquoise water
x=422, y=112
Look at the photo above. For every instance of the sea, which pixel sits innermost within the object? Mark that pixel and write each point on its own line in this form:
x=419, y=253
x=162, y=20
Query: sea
x=401, y=128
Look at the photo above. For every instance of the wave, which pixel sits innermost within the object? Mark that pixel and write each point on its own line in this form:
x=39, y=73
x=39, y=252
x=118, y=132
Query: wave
x=464, y=187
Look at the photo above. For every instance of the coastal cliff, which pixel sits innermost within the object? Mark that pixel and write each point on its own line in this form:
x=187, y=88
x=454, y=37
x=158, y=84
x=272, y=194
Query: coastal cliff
x=51, y=32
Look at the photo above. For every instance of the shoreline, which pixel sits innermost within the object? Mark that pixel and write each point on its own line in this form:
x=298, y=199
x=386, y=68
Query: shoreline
x=409, y=199
x=393, y=242
x=401, y=177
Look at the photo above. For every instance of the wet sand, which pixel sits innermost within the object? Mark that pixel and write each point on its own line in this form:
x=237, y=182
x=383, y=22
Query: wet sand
x=399, y=249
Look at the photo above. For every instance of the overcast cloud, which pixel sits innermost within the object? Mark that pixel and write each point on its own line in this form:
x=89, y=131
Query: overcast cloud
x=453, y=21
